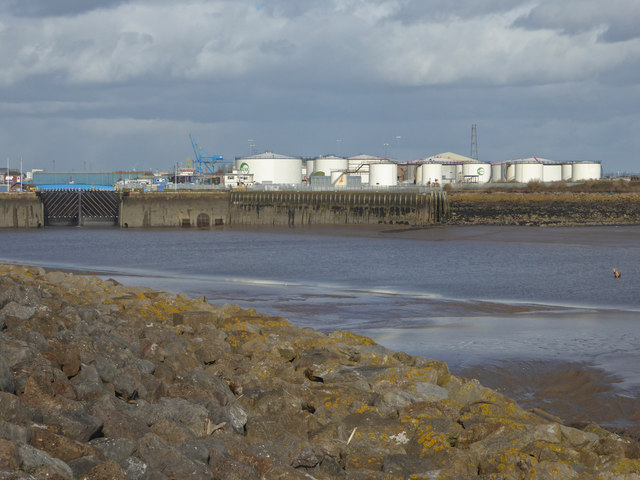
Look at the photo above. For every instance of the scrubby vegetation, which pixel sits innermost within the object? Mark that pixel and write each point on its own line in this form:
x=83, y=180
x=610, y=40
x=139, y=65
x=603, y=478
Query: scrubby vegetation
x=590, y=186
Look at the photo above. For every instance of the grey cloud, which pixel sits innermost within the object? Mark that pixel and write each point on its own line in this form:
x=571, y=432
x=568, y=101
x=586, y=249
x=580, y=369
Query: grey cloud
x=54, y=8
x=618, y=18
x=416, y=11
x=297, y=75
x=280, y=47
x=623, y=30
x=292, y=9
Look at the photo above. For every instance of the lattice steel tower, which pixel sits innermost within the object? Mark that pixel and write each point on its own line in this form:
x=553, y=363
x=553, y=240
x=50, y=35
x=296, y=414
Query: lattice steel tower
x=474, y=142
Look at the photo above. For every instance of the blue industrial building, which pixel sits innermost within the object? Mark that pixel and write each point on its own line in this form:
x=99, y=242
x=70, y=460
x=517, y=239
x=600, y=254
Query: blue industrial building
x=87, y=179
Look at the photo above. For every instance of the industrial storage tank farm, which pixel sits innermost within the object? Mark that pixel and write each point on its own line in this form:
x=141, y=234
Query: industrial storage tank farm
x=552, y=172
x=476, y=172
x=360, y=165
x=529, y=171
x=586, y=171
x=383, y=174
x=271, y=167
x=329, y=164
x=430, y=173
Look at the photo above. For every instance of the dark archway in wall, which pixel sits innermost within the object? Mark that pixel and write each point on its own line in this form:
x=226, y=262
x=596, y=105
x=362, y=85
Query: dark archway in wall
x=203, y=221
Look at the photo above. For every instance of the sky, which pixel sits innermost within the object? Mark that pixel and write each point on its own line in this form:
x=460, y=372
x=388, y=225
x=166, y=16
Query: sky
x=120, y=84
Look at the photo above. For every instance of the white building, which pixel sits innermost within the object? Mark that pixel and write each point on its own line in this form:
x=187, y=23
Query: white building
x=238, y=179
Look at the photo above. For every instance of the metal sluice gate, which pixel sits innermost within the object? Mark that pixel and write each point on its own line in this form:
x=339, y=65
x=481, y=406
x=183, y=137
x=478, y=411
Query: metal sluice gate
x=80, y=208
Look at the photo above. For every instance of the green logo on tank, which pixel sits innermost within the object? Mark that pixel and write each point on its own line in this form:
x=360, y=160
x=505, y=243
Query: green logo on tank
x=244, y=167
x=480, y=171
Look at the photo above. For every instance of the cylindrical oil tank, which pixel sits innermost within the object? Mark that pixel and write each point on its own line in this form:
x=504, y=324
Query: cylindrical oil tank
x=449, y=173
x=510, y=173
x=552, y=172
x=359, y=166
x=329, y=164
x=310, y=166
x=411, y=172
x=431, y=173
x=529, y=172
x=383, y=174
x=272, y=168
x=419, y=175
x=567, y=172
x=586, y=171
x=496, y=172
x=476, y=172
x=338, y=178
x=459, y=172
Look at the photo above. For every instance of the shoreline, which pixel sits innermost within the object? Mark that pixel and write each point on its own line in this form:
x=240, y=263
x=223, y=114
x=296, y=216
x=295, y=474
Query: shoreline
x=596, y=400
x=102, y=380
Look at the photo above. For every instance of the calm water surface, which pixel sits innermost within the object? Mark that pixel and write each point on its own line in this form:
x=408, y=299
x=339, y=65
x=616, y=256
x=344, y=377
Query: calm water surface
x=465, y=295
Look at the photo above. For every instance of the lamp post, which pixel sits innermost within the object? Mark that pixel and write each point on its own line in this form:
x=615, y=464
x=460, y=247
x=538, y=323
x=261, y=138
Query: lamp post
x=386, y=150
x=397, y=144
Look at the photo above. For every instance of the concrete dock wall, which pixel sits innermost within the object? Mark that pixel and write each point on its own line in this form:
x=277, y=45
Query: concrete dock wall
x=335, y=208
x=209, y=209
x=21, y=210
x=168, y=209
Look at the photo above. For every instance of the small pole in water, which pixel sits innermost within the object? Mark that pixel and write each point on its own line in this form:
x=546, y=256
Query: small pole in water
x=616, y=273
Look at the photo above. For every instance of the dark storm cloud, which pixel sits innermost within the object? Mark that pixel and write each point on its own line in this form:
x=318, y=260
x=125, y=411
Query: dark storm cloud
x=52, y=8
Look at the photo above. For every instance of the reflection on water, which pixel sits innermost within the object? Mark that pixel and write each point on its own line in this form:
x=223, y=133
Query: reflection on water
x=471, y=296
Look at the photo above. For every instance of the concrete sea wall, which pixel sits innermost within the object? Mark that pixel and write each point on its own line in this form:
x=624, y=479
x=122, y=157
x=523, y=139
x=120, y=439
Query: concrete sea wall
x=335, y=208
x=208, y=209
x=167, y=209
x=21, y=211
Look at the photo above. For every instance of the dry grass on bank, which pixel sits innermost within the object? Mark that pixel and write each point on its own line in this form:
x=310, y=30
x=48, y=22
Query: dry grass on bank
x=591, y=186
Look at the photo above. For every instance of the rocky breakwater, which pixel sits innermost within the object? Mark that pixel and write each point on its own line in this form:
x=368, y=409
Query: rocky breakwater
x=543, y=208
x=103, y=381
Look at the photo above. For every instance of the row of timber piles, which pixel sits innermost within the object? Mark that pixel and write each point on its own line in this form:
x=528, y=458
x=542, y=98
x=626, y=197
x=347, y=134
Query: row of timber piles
x=334, y=208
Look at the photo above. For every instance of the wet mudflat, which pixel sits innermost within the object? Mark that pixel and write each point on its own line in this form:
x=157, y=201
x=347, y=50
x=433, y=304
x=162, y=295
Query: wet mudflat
x=533, y=312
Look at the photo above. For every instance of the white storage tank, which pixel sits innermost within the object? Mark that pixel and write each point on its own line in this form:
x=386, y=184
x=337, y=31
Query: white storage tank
x=567, y=172
x=552, y=172
x=450, y=172
x=270, y=167
x=411, y=172
x=459, y=172
x=338, y=178
x=529, y=172
x=431, y=173
x=310, y=167
x=496, y=172
x=330, y=164
x=586, y=171
x=476, y=172
x=510, y=174
x=419, y=175
x=359, y=166
x=383, y=174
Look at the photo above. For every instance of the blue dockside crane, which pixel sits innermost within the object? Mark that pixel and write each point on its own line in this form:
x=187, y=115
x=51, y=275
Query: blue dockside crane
x=205, y=164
